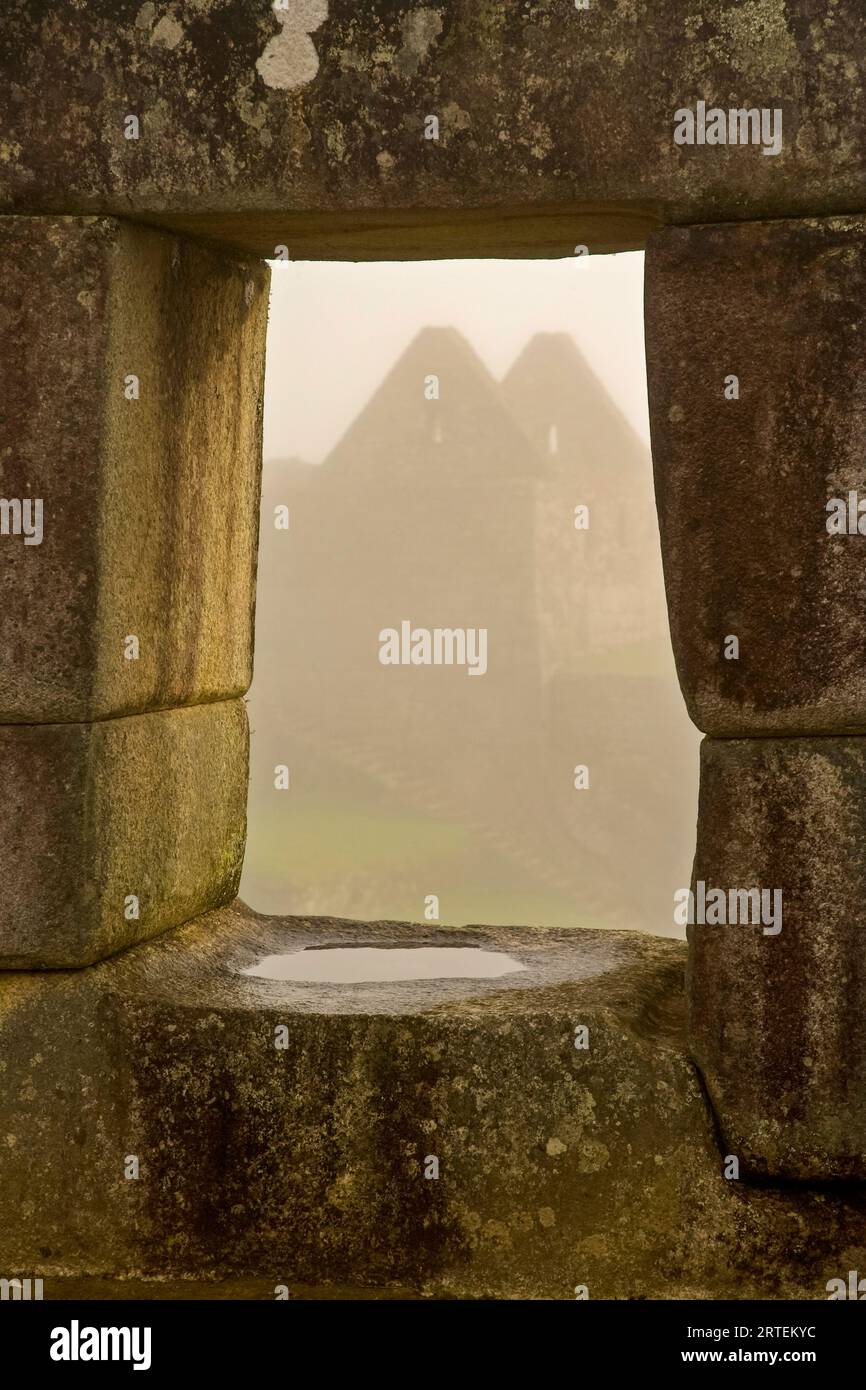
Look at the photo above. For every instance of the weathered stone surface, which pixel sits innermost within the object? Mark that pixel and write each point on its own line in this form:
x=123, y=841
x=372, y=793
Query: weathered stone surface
x=305, y=1165
x=778, y=1022
x=152, y=806
x=149, y=505
x=557, y=123
x=246, y=1289
x=743, y=484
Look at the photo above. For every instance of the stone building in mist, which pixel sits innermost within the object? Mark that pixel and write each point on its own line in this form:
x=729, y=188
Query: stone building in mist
x=423, y=512
x=600, y=602
x=450, y=502
x=458, y=509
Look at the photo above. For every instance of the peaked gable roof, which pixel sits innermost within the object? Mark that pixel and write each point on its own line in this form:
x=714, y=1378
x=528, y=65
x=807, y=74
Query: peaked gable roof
x=551, y=383
x=468, y=431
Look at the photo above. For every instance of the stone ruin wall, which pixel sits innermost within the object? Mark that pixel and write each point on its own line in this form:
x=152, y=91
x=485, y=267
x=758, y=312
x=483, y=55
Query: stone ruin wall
x=151, y=156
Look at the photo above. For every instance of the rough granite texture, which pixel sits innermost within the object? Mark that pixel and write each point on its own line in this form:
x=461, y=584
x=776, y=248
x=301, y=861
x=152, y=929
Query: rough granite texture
x=305, y=1166
x=306, y=128
x=152, y=806
x=150, y=522
x=778, y=1022
x=742, y=485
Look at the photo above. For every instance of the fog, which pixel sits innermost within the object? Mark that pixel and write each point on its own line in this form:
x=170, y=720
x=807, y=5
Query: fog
x=455, y=449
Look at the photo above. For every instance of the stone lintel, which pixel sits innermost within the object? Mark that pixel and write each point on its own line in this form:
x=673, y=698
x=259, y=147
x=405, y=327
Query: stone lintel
x=236, y=114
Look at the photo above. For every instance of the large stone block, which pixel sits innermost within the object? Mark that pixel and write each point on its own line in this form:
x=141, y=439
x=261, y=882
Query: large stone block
x=149, y=505
x=308, y=125
x=743, y=484
x=165, y=1114
x=150, y=808
x=777, y=1018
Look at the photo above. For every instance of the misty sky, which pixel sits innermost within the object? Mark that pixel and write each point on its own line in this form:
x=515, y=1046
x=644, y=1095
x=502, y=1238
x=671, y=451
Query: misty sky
x=336, y=328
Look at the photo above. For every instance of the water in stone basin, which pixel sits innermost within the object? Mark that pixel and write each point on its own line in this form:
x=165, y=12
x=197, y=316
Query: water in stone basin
x=367, y=964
